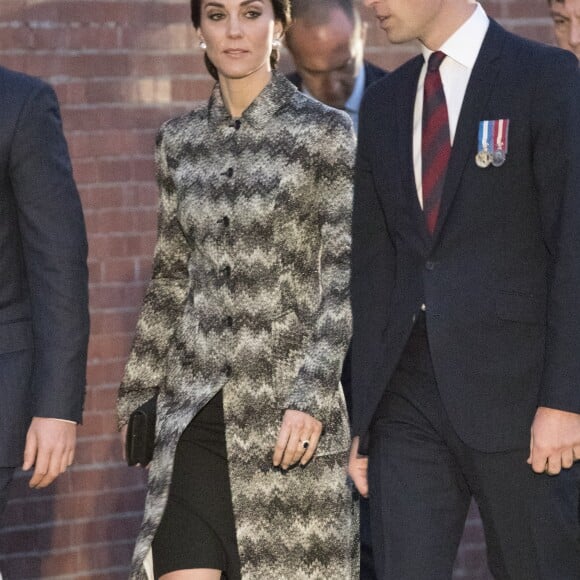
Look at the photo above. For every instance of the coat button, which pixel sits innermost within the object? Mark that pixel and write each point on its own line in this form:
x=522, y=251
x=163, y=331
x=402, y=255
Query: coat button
x=227, y=370
x=430, y=265
x=226, y=271
x=230, y=321
x=237, y=124
x=230, y=172
x=226, y=221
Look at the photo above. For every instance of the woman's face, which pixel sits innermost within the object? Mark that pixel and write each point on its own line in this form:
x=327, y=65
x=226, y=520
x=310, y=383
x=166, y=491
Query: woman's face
x=239, y=35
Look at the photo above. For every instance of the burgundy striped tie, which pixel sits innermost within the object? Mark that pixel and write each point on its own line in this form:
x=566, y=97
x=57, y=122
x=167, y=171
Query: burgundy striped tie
x=436, y=143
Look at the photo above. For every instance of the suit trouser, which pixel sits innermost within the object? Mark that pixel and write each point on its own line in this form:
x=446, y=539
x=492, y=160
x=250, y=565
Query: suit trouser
x=422, y=478
x=6, y=474
x=367, y=567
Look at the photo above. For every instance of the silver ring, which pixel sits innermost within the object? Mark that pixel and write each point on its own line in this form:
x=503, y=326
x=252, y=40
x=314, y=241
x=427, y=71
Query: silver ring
x=305, y=444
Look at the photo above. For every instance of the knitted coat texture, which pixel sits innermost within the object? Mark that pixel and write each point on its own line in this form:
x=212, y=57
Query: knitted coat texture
x=250, y=294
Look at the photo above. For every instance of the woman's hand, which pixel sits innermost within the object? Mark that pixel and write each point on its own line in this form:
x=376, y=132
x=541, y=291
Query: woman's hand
x=298, y=439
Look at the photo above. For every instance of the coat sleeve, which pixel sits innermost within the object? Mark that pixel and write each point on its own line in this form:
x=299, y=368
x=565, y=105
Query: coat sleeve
x=331, y=324
x=557, y=177
x=162, y=306
x=54, y=246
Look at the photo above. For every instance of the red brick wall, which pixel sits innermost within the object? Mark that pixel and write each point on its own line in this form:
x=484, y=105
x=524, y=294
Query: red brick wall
x=120, y=68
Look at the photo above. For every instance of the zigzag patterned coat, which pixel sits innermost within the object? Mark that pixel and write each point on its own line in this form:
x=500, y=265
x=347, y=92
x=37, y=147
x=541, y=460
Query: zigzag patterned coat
x=250, y=294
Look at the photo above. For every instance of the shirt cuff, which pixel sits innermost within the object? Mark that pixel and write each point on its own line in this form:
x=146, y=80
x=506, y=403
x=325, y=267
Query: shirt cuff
x=63, y=420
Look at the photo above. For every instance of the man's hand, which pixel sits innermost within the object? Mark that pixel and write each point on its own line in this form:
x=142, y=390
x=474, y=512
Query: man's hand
x=555, y=440
x=358, y=469
x=50, y=448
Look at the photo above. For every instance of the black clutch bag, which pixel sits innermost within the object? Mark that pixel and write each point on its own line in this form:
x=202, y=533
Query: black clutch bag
x=140, y=439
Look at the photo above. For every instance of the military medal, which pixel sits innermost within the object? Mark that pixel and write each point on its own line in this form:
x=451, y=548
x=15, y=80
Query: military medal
x=498, y=158
x=492, y=143
x=483, y=158
x=500, y=142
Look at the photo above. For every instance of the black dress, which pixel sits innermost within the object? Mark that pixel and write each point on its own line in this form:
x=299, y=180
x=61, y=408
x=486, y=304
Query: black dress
x=197, y=529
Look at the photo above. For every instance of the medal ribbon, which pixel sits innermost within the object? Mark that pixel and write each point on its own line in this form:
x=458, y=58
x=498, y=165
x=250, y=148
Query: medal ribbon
x=484, y=136
x=500, y=136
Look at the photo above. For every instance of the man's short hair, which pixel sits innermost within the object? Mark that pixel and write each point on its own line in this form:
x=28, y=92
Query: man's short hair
x=317, y=12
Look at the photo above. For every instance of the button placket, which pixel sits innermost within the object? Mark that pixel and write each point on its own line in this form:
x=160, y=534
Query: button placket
x=225, y=268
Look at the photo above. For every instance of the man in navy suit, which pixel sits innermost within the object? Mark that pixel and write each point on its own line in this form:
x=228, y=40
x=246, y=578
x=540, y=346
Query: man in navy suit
x=327, y=41
x=43, y=287
x=466, y=301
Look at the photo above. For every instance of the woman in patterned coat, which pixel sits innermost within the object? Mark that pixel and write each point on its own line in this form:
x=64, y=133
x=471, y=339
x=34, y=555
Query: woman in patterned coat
x=248, y=314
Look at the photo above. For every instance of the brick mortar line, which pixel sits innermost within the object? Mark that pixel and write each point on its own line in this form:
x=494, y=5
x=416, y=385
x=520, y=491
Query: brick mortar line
x=85, y=573
x=65, y=551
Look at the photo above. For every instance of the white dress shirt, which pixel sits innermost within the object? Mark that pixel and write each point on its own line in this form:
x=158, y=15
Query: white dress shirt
x=352, y=106
x=462, y=49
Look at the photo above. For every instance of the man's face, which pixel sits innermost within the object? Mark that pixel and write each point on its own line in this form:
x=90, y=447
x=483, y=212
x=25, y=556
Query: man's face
x=406, y=20
x=328, y=57
x=566, y=16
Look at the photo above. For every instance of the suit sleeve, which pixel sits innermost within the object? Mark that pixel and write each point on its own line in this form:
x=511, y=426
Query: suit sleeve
x=331, y=328
x=54, y=245
x=373, y=259
x=162, y=306
x=557, y=175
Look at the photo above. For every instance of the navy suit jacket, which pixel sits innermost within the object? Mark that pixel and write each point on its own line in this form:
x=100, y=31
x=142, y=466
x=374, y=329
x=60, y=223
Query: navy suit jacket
x=43, y=252
x=501, y=275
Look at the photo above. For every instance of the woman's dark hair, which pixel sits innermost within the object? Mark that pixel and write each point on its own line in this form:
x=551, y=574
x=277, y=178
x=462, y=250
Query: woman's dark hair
x=282, y=14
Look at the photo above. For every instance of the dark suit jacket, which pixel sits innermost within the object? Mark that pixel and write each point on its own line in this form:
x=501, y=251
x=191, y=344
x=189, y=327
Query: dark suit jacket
x=43, y=281
x=501, y=275
x=372, y=74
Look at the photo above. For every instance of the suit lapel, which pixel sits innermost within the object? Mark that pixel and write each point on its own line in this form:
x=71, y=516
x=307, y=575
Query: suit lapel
x=478, y=92
x=405, y=113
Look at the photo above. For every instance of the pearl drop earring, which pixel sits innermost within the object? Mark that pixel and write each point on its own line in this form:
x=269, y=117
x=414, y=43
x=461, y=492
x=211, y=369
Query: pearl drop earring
x=276, y=43
x=202, y=44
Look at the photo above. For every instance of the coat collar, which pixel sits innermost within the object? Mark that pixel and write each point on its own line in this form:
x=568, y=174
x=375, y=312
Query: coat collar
x=273, y=97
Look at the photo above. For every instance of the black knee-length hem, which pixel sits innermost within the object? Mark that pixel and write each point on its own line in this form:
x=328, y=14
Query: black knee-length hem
x=197, y=529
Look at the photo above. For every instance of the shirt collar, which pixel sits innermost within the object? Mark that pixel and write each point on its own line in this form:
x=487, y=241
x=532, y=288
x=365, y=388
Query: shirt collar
x=464, y=44
x=273, y=97
x=354, y=101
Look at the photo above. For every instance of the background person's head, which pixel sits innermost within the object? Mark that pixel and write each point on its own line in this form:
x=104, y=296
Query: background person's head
x=259, y=23
x=566, y=17
x=326, y=41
